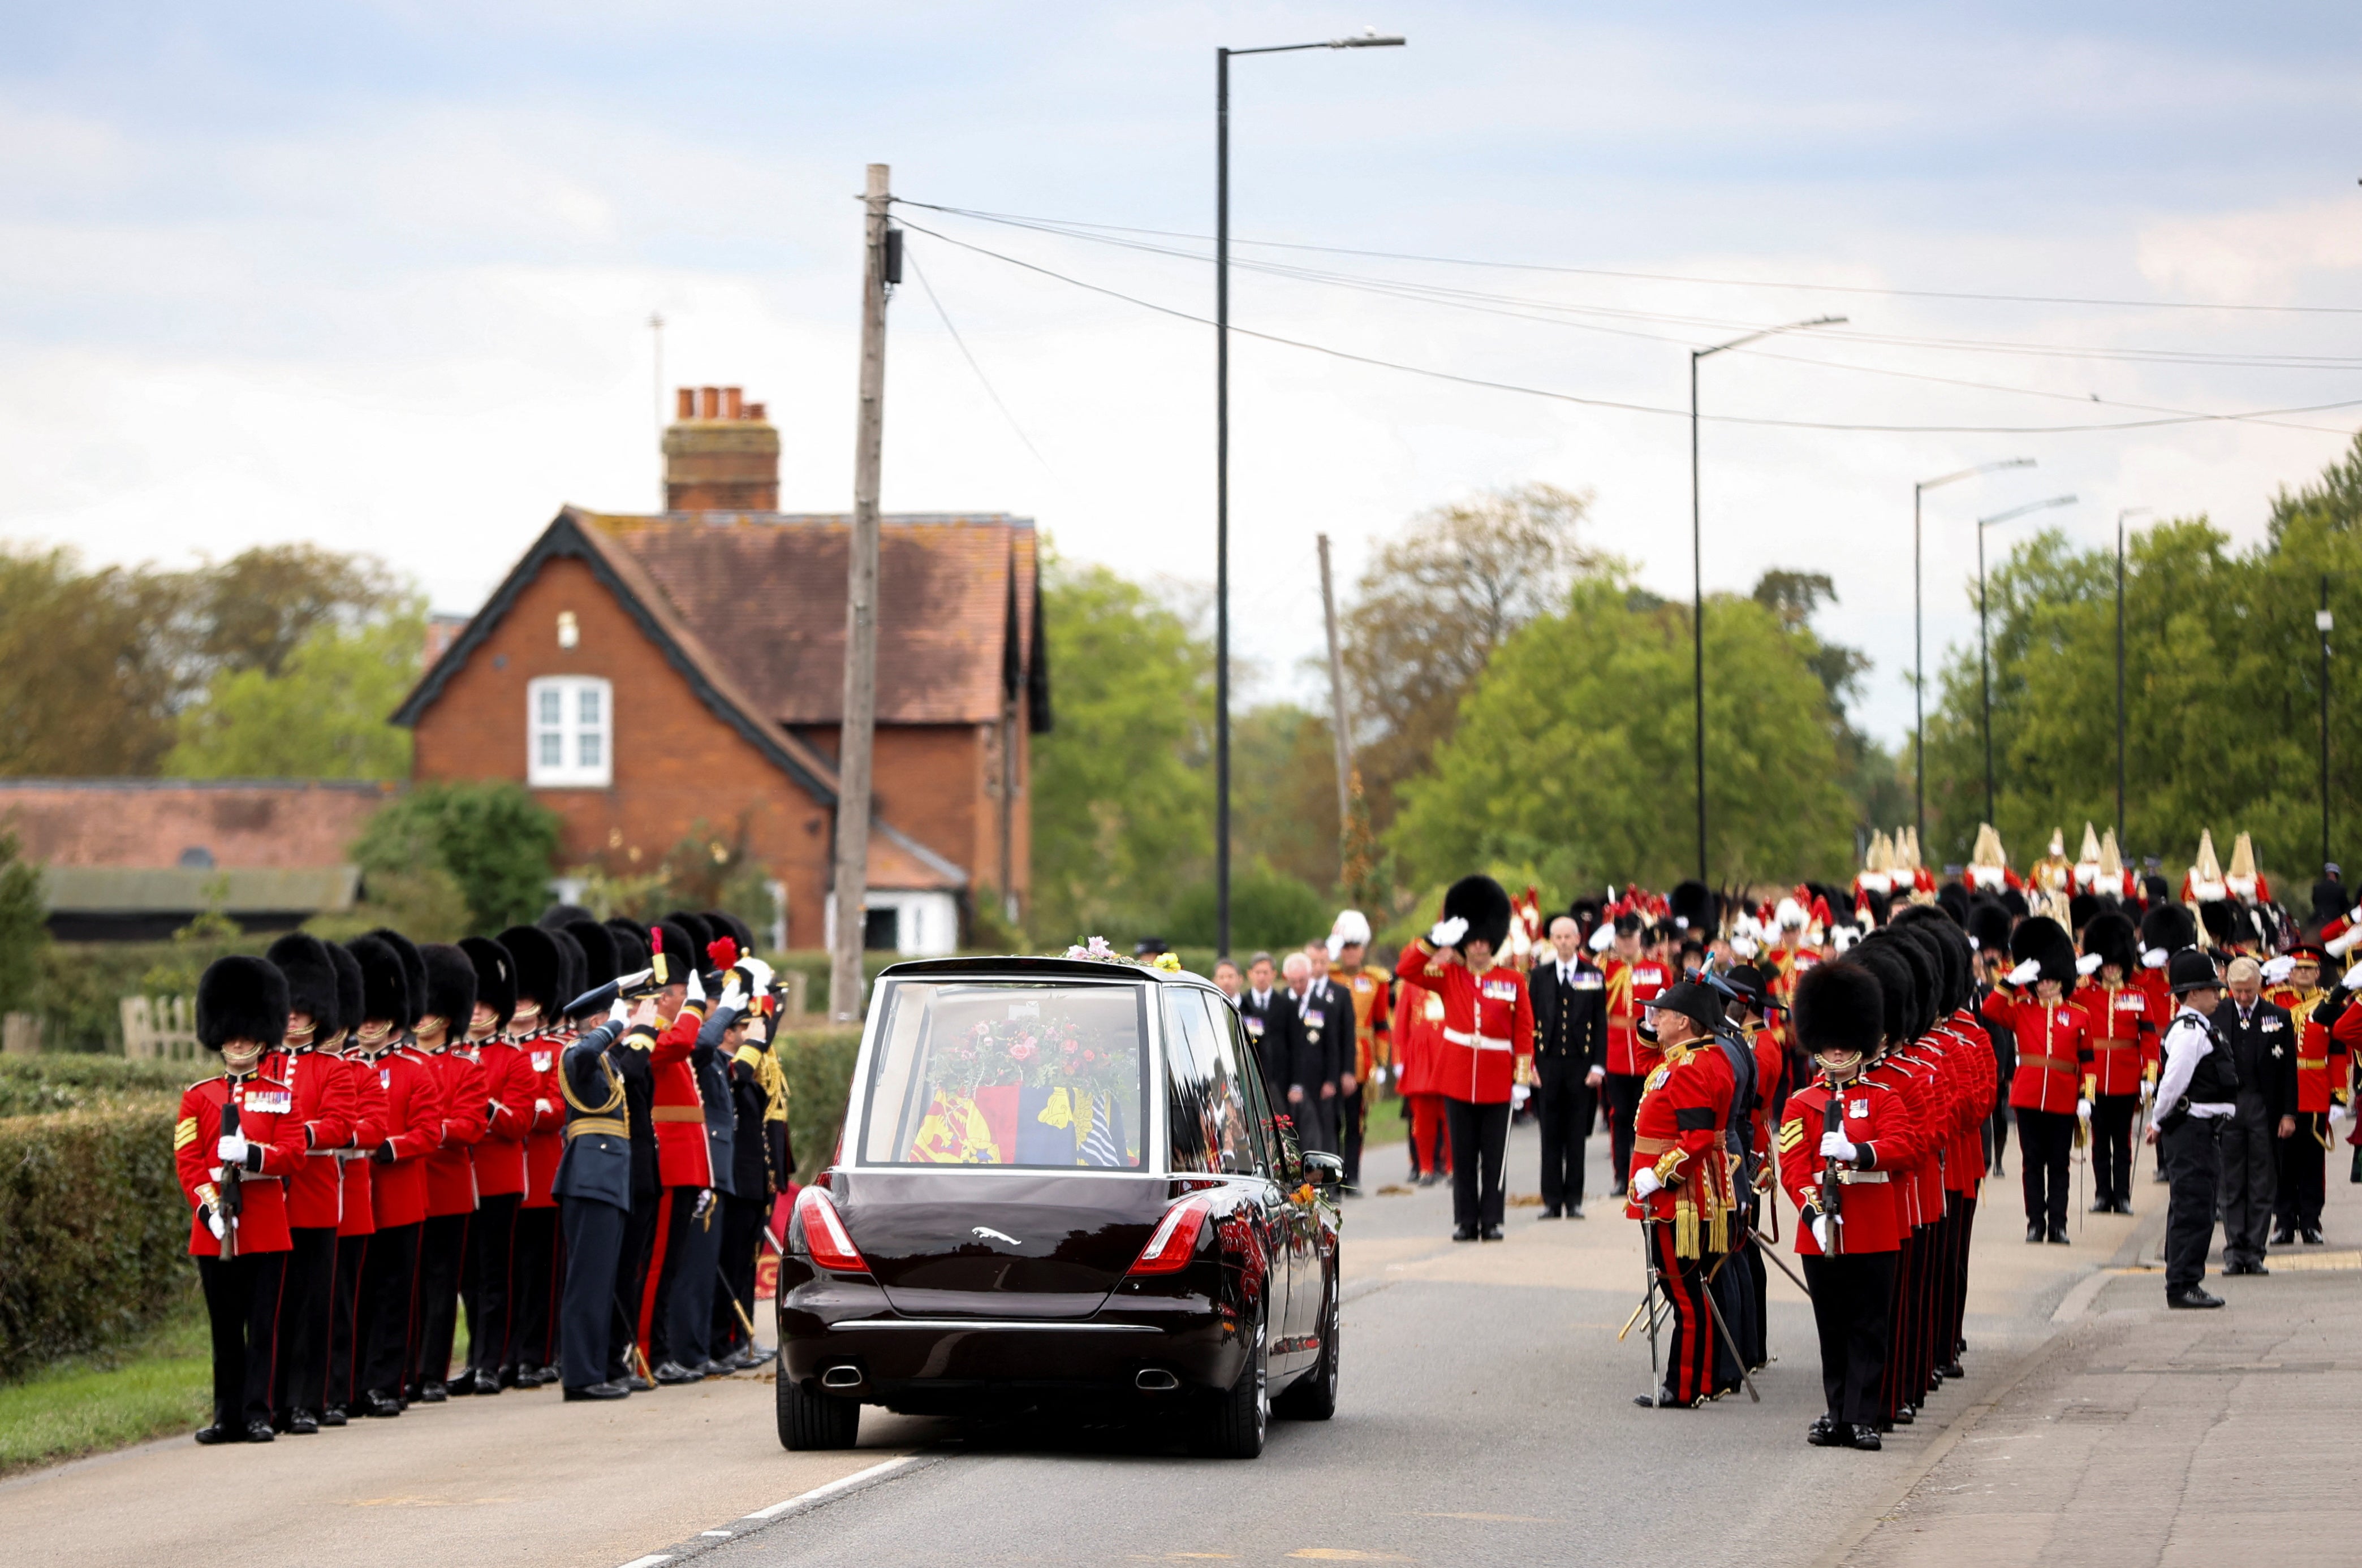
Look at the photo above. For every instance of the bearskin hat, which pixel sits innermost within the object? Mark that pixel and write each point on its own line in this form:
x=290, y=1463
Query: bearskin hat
x=2168, y=928
x=598, y=945
x=2040, y=938
x=1953, y=900
x=2014, y=901
x=1692, y=904
x=534, y=964
x=678, y=949
x=571, y=965
x=724, y=924
x=239, y=998
x=413, y=972
x=2110, y=937
x=700, y=932
x=1840, y=1005
x=311, y=976
x=2080, y=909
x=558, y=914
x=2158, y=889
x=2221, y=920
x=1927, y=980
x=450, y=985
x=1479, y=901
x=496, y=980
x=1897, y=986
x=1989, y=924
x=349, y=989
x=385, y=984
x=1948, y=951
x=630, y=944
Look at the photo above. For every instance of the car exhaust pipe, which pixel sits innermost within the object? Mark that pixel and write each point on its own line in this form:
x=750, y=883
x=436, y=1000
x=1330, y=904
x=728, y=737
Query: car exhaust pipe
x=841, y=1377
x=1156, y=1380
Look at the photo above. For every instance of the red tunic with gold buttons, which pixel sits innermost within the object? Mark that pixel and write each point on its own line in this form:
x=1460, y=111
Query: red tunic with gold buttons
x=413, y=1129
x=1977, y=1084
x=358, y=1217
x=1871, y=1210
x=684, y=1159
x=1918, y=1183
x=1488, y=1024
x=451, y=1167
x=545, y=1145
x=2123, y=1020
x=2314, y=1076
x=510, y=1087
x=2161, y=1009
x=1628, y=985
x=1677, y=1132
x=325, y=1104
x=268, y=1120
x=2053, y=1048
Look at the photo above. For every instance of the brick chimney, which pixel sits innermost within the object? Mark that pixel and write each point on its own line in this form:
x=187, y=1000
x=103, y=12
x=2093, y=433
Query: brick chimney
x=721, y=454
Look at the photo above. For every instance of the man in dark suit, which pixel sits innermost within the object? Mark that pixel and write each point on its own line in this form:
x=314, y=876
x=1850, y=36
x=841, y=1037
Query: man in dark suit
x=1570, y=1058
x=1259, y=1005
x=2263, y=1049
x=1317, y=1025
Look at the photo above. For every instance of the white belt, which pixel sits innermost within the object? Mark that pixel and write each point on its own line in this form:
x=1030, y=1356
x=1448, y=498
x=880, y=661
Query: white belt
x=1477, y=1042
x=1862, y=1178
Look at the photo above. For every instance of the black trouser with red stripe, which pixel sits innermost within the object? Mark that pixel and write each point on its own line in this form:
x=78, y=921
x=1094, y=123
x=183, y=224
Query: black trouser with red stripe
x=534, y=1341
x=442, y=1254
x=1690, y=1348
x=2303, y=1183
x=1852, y=1294
x=2112, y=1146
x=388, y=1300
x=2047, y=1144
x=306, y=1303
x=488, y=1292
x=242, y=1307
x=347, y=1347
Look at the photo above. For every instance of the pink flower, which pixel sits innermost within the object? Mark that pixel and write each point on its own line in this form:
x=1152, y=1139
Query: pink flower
x=1021, y=1051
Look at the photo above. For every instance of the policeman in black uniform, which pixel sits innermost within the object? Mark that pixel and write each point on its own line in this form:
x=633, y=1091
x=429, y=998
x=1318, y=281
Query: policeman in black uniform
x=1569, y=996
x=594, y=1194
x=2197, y=1094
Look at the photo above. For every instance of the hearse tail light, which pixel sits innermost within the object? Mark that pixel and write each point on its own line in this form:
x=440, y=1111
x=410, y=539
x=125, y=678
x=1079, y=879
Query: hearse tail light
x=824, y=1233
x=1174, y=1240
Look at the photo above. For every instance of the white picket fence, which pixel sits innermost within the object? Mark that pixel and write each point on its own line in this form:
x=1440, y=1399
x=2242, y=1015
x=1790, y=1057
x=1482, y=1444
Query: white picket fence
x=159, y=1028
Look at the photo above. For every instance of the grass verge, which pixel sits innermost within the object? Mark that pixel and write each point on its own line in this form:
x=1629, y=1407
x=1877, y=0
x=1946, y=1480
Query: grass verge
x=152, y=1387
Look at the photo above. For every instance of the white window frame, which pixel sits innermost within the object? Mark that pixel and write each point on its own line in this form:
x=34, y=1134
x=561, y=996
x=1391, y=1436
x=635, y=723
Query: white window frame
x=574, y=730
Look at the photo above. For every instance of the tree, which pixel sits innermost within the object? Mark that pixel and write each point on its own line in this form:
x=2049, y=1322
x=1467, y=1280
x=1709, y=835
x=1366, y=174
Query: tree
x=88, y=667
x=490, y=838
x=1284, y=793
x=1430, y=609
x=321, y=713
x=254, y=610
x=1572, y=752
x=24, y=925
x=1123, y=811
x=1268, y=909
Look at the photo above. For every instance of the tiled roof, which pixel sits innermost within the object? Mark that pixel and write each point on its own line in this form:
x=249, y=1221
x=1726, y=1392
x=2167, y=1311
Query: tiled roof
x=955, y=602
x=275, y=824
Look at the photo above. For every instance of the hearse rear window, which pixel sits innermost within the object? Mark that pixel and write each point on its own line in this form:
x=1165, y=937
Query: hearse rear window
x=970, y=1072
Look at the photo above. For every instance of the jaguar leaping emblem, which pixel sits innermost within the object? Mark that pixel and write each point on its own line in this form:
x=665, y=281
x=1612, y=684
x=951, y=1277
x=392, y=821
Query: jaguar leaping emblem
x=986, y=1232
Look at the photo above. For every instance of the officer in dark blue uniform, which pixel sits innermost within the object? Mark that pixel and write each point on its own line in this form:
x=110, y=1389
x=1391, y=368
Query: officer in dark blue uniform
x=594, y=1193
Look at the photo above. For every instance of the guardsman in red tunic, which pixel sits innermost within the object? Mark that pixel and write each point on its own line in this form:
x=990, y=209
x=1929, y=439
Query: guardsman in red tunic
x=488, y=1288
x=2054, y=1046
x=2124, y=1023
x=541, y=1038
x=1486, y=1050
x=1632, y=978
x=236, y=1142
x=1839, y=1141
x=356, y=1219
x=450, y=1168
x=1913, y=1180
x=327, y=1105
x=684, y=1159
x=1417, y=1033
x=1678, y=1183
x=1370, y=990
x=2165, y=929
x=413, y=1128
x=2320, y=1085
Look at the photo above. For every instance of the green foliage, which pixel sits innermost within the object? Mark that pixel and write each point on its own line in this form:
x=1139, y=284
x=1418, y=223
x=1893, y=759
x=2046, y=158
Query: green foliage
x=195, y=945
x=24, y=927
x=93, y=1230
x=1267, y=910
x=812, y=963
x=157, y=1383
x=1122, y=807
x=990, y=929
x=37, y=1085
x=819, y=1065
x=424, y=903
x=320, y=714
x=1284, y=792
x=1572, y=752
x=491, y=838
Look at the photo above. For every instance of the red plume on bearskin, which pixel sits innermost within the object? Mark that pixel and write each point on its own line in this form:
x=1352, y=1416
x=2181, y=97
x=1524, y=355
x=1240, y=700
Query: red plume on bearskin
x=722, y=951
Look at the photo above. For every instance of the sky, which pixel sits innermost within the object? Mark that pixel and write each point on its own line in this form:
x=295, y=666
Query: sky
x=380, y=275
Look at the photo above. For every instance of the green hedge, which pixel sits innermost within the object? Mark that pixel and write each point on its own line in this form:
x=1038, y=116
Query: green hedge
x=819, y=1065
x=93, y=1230
x=32, y=1086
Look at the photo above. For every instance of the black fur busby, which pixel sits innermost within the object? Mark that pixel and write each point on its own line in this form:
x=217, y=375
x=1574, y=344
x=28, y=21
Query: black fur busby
x=571, y=965
x=495, y=978
x=1692, y=904
x=598, y=945
x=558, y=914
x=630, y=944
x=2080, y=909
x=310, y=977
x=413, y=972
x=2221, y=920
x=2168, y=925
x=1839, y=1006
x=1989, y=924
x=2330, y=898
x=726, y=924
x=1953, y=900
x=2041, y=939
x=1880, y=906
x=700, y=932
x=385, y=984
x=535, y=963
x=239, y=998
x=2111, y=936
x=450, y=986
x=2159, y=891
x=349, y=989
x=1479, y=901
x=675, y=949
x=1926, y=981
x=1946, y=964
x=1898, y=1000
x=2014, y=901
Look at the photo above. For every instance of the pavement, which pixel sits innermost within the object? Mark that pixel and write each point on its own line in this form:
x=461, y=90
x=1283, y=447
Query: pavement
x=1486, y=1417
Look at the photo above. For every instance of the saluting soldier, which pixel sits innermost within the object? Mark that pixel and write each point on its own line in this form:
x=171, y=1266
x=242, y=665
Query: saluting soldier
x=235, y=1141
x=1487, y=1039
x=764, y=1163
x=594, y=1194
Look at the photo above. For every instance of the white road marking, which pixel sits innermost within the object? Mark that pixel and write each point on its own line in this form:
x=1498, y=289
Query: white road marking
x=817, y=1492
x=654, y=1560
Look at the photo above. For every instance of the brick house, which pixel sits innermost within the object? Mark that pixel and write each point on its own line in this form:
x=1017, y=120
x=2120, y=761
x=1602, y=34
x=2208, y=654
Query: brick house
x=652, y=675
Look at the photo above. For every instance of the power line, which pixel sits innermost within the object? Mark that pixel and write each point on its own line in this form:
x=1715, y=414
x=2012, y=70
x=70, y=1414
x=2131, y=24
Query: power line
x=1661, y=277
x=1617, y=403
x=944, y=316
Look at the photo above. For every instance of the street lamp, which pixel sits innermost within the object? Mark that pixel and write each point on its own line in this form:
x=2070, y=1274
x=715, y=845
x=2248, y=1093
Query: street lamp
x=1223, y=457
x=1984, y=655
x=1698, y=562
x=2323, y=623
x=2121, y=515
x=1919, y=640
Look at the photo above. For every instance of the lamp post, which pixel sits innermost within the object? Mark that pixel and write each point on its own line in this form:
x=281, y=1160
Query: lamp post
x=1984, y=654
x=1223, y=457
x=2323, y=622
x=1919, y=640
x=2122, y=514
x=1698, y=562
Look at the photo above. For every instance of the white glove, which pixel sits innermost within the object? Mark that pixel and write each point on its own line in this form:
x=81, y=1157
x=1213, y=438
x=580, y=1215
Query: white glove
x=231, y=1149
x=2276, y=970
x=2352, y=979
x=2026, y=973
x=1518, y=1094
x=1836, y=1146
x=1447, y=933
x=2082, y=1109
x=2154, y=959
x=1378, y=1076
x=758, y=974
x=2088, y=964
x=620, y=1014
x=1821, y=1232
x=214, y=1223
x=696, y=985
x=543, y=1108
x=1645, y=1184
x=733, y=994
x=1605, y=937
x=2341, y=1112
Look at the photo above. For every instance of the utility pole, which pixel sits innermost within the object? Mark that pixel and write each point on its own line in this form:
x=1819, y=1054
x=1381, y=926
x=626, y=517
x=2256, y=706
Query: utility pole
x=2323, y=622
x=655, y=331
x=854, y=736
x=1336, y=695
